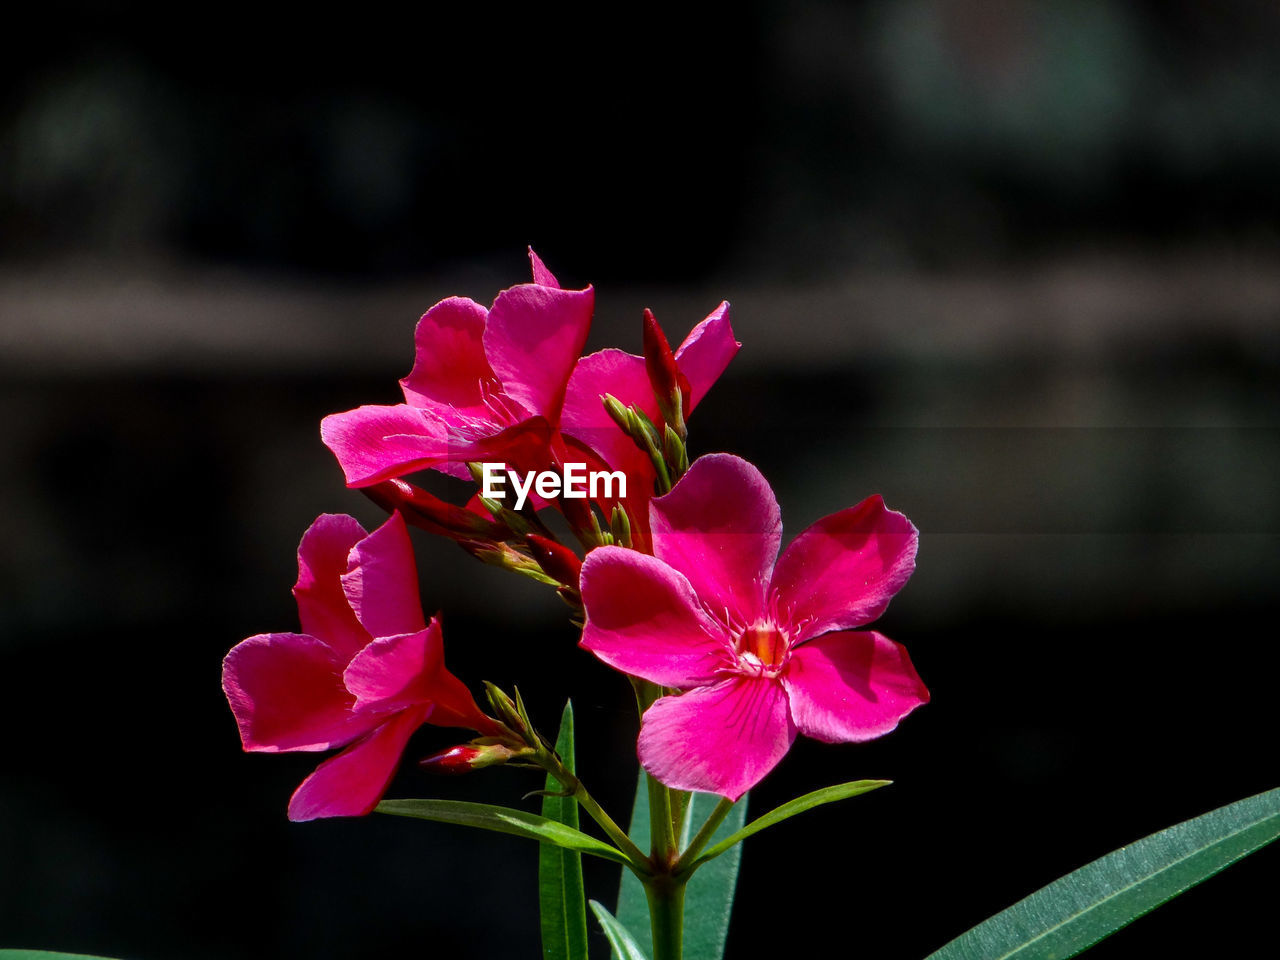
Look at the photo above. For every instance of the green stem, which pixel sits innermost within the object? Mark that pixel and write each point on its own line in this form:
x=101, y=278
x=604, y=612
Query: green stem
x=703, y=836
x=666, y=916
x=662, y=831
x=662, y=834
x=547, y=759
x=615, y=833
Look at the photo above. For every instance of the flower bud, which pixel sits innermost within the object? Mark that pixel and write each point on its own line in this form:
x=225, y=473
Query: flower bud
x=428, y=512
x=673, y=449
x=620, y=526
x=555, y=559
x=670, y=386
x=618, y=411
x=471, y=756
x=508, y=711
x=509, y=558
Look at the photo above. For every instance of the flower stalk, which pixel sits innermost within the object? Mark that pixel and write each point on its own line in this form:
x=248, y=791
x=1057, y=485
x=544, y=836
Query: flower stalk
x=665, y=894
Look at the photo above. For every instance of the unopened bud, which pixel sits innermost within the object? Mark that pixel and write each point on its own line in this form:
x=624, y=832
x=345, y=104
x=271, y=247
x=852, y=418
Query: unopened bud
x=676, y=454
x=509, y=558
x=471, y=756
x=620, y=525
x=506, y=710
x=556, y=559
x=670, y=386
x=617, y=411
x=428, y=512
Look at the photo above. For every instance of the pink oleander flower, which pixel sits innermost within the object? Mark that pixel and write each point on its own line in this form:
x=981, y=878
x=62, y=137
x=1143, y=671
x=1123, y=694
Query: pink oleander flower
x=366, y=671
x=760, y=650
x=486, y=385
x=699, y=361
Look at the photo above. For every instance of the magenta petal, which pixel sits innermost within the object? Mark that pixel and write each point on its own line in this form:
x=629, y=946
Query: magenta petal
x=706, y=352
x=382, y=582
x=533, y=338
x=585, y=420
x=720, y=526
x=540, y=272
x=322, y=605
x=449, y=364
x=286, y=692
x=612, y=372
x=842, y=571
x=851, y=686
x=720, y=739
x=395, y=672
x=352, y=783
x=374, y=443
x=644, y=619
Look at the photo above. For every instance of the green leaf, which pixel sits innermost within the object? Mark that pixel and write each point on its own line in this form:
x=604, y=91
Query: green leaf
x=708, y=897
x=790, y=809
x=504, y=820
x=561, y=900
x=633, y=908
x=620, y=938
x=44, y=955
x=1076, y=911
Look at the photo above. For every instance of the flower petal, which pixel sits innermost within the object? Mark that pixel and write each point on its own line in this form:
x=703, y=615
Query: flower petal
x=375, y=443
x=533, y=338
x=720, y=526
x=381, y=582
x=644, y=619
x=352, y=783
x=322, y=605
x=721, y=738
x=540, y=272
x=393, y=673
x=706, y=352
x=851, y=686
x=842, y=571
x=449, y=365
x=286, y=692
x=622, y=375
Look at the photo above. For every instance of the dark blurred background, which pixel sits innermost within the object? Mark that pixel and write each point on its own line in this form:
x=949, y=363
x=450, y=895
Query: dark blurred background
x=1014, y=265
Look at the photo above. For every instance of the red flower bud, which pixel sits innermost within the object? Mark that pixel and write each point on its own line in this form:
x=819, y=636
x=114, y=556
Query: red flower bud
x=428, y=512
x=670, y=386
x=555, y=559
x=469, y=756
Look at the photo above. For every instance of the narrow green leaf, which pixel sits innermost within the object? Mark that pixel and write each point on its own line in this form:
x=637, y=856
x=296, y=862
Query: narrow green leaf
x=561, y=899
x=708, y=898
x=620, y=938
x=44, y=955
x=504, y=820
x=1076, y=911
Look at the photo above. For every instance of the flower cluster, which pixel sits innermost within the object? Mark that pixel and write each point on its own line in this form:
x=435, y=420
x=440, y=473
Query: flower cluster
x=675, y=575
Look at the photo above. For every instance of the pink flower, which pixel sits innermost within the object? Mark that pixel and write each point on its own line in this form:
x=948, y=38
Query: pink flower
x=700, y=359
x=761, y=651
x=485, y=385
x=366, y=670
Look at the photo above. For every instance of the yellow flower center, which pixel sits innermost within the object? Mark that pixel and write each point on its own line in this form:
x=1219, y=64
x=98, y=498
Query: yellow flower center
x=763, y=646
